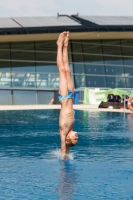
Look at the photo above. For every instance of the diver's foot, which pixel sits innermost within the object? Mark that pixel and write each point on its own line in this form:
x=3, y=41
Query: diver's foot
x=66, y=41
x=61, y=39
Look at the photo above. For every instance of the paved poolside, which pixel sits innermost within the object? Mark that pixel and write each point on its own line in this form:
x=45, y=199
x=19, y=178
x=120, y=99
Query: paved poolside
x=76, y=107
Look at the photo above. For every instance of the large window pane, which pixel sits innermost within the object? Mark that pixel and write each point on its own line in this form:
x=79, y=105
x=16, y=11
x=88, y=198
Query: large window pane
x=46, y=67
x=112, y=57
x=4, y=51
x=18, y=55
x=22, y=46
x=111, y=47
x=93, y=59
x=95, y=81
x=79, y=81
x=5, y=66
x=46, y=45
x=47, y=75
x=129, y=82
x=127, y=51
x=78, y=66
x=4, y=54
x=115, y=82
x=114, y=70
x=45, y=97
x=128, y=71
x=94, y=69
x=92, y=46
x=5, y=46
x=23, y=74
x=24, y=97
x=23, y=66
x=77, y=51
x=22, y=51
x=47, y=80
x=92, y=52
x=46, y=56
x=5, y=97
x=5, y=74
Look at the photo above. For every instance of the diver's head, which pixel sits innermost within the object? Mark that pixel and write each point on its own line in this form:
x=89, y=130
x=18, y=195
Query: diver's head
x=72, y=138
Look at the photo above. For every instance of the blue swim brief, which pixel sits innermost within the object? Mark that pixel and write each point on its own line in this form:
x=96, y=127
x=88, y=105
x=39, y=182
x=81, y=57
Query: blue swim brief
x=68, y=96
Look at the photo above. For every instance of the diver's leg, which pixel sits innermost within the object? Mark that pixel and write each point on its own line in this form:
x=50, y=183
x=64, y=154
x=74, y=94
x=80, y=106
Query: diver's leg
x=63, y=88
x=66, y=64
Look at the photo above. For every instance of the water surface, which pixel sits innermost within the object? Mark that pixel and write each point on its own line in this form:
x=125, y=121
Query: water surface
x=100, y=166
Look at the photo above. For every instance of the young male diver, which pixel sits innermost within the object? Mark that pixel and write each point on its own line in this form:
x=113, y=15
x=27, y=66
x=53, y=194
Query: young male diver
x=66, y=93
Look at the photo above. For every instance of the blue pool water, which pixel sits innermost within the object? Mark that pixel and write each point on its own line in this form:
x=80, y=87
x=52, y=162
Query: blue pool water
x=100, y=166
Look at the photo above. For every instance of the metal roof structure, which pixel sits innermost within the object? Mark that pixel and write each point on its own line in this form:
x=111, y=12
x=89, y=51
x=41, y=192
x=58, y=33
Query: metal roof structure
x=109, y=20
x=46, y=21
x=73, y=23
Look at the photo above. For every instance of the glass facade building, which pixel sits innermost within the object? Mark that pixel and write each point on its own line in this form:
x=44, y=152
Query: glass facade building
x=29, y=75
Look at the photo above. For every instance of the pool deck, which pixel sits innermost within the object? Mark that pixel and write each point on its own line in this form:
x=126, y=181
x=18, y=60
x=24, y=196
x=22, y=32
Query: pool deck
x=91, y=107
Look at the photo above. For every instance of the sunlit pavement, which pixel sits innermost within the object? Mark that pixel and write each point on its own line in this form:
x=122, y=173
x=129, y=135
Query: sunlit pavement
x=76, y=107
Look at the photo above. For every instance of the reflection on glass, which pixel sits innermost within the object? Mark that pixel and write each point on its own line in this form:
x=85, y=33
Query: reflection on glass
x=47, y=80
x=129, y=82
x=21, y=79
x=107, y=57
x=78, y=68
x=114, y=70
x=5, y=74
x=128, y=71
x=116, y=82
x=68, y=181
x=47, y=75
x=94, y=69
x=79, y=81
x=23, y=74
x=95, y=81
x=5, y=79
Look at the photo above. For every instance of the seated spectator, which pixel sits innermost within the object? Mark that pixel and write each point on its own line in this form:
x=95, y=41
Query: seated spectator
x=126, y=98
x=110, y=97
x=117, y=98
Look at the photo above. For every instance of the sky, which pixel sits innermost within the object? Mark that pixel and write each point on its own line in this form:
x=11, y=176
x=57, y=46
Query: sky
x=17, y=8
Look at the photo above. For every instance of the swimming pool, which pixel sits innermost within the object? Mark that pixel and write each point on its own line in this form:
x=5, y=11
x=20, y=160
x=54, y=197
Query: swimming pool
x=100, y=166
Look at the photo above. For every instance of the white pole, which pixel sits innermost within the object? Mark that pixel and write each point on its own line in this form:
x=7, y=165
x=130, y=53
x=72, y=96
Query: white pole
x=124, y=105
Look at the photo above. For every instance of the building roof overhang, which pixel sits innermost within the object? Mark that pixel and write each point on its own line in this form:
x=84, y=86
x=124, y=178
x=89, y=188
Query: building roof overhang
x=79, y=27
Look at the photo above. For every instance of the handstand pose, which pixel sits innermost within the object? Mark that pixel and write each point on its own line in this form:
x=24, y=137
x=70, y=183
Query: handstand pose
x=66, y=89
